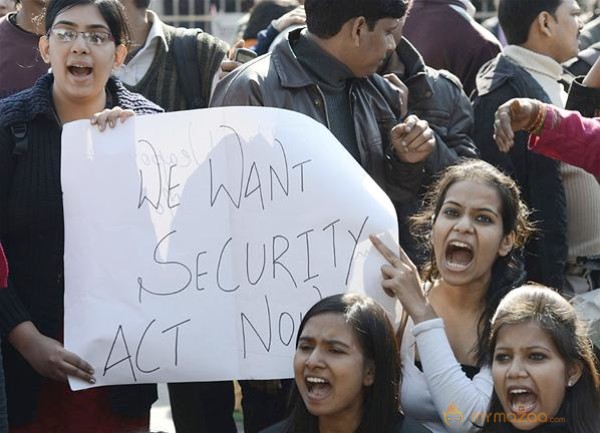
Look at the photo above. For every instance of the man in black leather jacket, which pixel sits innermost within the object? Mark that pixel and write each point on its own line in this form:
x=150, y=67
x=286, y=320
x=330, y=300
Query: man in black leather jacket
x=327, y=72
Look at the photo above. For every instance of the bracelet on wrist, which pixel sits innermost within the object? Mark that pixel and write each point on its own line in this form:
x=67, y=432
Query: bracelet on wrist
x=537, y=125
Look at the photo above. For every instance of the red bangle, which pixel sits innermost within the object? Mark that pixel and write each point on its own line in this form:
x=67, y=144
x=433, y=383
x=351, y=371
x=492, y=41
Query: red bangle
x=538, y=123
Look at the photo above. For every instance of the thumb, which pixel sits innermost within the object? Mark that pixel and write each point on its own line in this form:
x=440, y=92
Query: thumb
x=521, y=113
x=231, y=52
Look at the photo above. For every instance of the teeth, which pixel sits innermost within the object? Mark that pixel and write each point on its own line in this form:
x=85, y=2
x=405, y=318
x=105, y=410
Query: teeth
x=519, y=391
x=460, y=245
x=315, y=380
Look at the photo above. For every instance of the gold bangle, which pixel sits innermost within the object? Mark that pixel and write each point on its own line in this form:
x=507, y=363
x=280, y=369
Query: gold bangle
x=534, y=124
x=540, y=126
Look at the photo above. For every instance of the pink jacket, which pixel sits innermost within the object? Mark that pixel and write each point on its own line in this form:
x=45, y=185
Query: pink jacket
x=570, y=137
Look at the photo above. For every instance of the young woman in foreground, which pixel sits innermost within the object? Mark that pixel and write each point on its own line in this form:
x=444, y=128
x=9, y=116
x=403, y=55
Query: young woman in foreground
x=346, y=371
x=473, y=224
x=545, y=374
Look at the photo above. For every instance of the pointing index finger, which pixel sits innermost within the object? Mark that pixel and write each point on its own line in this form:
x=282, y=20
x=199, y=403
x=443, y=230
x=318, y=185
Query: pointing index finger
x=388, y=254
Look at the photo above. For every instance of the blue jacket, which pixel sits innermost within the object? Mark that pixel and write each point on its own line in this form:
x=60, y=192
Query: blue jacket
x=538, y=176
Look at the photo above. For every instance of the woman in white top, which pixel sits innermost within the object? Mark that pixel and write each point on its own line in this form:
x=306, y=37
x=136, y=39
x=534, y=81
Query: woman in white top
x=473, y=225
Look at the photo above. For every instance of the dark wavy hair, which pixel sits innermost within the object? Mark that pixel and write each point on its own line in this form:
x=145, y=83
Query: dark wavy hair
x=516, y=17
x=111, y=10
x=325, y=18
x=555, y=316
x=508, y=271
x=375, y=335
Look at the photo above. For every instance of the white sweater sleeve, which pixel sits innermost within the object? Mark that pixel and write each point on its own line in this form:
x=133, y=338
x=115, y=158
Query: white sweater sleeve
x=448, y=384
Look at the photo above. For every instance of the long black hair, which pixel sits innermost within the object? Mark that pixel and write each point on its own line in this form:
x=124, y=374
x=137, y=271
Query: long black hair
x=508, y=271
x=375, y=335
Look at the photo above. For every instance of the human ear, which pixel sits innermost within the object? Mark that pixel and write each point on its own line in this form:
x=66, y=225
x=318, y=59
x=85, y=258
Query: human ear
x=120, y=54
x=44, y=47
x=506, y=244
x=574, y=373
x=369, y=375
x=359, y=26
x=543, y=23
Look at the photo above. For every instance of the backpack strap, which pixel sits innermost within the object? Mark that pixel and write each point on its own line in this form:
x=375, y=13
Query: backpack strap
x=20, y=132
x=185, y=52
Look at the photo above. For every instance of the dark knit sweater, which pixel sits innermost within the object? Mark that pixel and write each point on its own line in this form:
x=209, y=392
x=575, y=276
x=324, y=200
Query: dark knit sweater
x=161, y=83
x=31, y=223
x=333, y=78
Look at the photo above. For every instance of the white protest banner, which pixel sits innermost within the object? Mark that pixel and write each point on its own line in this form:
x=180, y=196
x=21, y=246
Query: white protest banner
x=195, y=241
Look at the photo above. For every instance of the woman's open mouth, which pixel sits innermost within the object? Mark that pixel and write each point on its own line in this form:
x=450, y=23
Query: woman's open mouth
x=80, y=71
x=459, y=256
x=521, y=400
x=317, y=387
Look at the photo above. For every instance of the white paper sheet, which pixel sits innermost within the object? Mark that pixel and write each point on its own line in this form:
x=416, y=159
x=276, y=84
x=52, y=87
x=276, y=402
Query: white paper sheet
x=195, y=241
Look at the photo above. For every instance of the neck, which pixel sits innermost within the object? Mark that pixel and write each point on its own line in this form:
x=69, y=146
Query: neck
x=70, y=110
x=467, y=299
x=29, y=17
x=139, y=25
x=339, y=424
x=332, y=46
x=542, y=49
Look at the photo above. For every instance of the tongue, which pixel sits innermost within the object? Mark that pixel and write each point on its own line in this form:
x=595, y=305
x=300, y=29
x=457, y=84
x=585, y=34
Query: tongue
x=80, y=71
x=460, y=256
x=320, y=390
x=523, y=402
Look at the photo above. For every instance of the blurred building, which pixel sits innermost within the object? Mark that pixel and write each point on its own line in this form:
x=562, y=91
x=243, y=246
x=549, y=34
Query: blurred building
x=220, y=17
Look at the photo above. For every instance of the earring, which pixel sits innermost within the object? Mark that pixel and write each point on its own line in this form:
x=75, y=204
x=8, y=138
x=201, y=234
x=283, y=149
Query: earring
x=571, y=382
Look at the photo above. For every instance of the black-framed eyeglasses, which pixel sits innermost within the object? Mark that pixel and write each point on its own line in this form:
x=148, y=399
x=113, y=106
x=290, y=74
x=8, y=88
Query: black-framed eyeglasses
x=93, y=37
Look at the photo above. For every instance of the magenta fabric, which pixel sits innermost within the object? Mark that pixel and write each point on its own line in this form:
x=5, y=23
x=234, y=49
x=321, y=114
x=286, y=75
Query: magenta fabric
x=570, y=137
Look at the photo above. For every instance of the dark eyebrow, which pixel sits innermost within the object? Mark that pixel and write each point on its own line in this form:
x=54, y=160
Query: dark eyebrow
x=328, y=342
x=487, y=209
x=526, y=348
x=89, y=27
x=337, y=343
x=451, y=202
x=481, y=209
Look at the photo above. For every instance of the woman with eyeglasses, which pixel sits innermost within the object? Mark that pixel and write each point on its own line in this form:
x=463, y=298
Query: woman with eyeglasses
x=84, y=41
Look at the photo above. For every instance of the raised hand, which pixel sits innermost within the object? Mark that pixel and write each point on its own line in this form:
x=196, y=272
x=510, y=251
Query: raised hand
x=413, y=139
x=514, y=115
x=401, y=280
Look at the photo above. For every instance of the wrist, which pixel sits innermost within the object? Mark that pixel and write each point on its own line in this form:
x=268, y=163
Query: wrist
x=537, y=124
x=22, y=336
x=423, y=314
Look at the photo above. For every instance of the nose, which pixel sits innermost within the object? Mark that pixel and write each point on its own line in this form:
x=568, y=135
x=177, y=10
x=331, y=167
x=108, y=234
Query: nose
x=516, y=368
x=79, y=45
x=464, y=224
x=315, y=359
